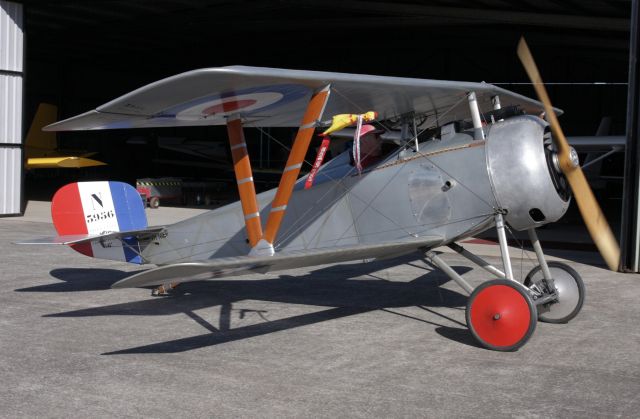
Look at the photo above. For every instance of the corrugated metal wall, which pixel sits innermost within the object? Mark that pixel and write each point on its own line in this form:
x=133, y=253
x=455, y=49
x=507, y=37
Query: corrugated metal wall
x=11, y=77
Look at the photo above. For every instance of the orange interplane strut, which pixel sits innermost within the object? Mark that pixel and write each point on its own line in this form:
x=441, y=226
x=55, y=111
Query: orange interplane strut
x=294, y=163
x=244, y=177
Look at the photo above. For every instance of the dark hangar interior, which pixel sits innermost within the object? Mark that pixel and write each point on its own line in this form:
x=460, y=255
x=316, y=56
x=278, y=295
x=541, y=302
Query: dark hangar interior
x=80, y=55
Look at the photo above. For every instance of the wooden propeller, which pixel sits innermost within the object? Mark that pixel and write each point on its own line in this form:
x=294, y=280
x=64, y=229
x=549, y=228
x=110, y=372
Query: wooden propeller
x=591, y=213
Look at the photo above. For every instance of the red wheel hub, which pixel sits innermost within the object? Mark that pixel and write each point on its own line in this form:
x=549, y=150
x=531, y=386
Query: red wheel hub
x=500, y=315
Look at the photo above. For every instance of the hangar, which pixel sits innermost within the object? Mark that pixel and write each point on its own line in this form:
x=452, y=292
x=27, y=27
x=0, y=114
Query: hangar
x=78, y=56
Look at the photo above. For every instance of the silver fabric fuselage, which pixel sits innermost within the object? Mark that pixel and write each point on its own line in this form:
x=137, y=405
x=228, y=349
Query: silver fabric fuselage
x=450, y=188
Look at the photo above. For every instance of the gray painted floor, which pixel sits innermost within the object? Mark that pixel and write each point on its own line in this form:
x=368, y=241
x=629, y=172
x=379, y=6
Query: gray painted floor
x=357, y=340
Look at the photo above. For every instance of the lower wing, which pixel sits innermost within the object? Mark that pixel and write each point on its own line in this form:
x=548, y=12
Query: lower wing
x=231, y=266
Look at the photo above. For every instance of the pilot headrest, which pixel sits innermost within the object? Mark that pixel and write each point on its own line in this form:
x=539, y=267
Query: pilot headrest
x=369, y=129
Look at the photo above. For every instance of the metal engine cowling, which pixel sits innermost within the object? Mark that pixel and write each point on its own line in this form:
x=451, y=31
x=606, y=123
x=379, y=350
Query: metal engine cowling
x=524, y=181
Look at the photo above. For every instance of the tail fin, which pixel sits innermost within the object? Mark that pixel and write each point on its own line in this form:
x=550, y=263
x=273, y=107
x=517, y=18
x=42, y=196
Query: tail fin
x=41, y=141
x=100, y=208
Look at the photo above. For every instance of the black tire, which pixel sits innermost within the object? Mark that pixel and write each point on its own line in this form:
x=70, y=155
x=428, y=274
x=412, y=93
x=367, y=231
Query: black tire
x=154, y=202
x=567, y=282
x=512, y=306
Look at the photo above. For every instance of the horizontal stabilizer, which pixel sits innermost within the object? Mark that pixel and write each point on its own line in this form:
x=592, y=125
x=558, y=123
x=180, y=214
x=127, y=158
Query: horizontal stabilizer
x=231, y=266
x=96, y=238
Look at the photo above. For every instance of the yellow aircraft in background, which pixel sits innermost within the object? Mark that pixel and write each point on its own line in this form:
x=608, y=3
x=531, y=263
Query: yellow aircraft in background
x=42, y=147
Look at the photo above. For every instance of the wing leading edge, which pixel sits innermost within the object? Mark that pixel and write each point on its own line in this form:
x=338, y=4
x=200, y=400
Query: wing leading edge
x=232, y=266
x=271, y=97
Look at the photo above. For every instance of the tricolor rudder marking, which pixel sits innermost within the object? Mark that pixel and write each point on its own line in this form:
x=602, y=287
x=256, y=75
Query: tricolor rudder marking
x=97, y=208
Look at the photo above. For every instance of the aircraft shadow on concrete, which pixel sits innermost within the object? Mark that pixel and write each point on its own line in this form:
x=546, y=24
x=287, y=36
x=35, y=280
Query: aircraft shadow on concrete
x=333, y=287
x=80, y=279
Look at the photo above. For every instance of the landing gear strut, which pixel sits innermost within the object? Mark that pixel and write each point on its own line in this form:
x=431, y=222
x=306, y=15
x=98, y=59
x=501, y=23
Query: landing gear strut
x=502, y=313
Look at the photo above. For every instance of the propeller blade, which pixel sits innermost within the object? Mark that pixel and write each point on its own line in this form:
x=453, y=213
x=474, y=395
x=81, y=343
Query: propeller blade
x=592, y=215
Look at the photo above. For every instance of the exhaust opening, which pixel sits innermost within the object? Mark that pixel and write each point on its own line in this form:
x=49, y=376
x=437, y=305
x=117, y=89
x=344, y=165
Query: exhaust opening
x=537, y=215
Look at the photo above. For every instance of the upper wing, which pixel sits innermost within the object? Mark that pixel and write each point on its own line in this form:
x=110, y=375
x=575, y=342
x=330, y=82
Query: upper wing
x=222, y=267
x=268, y=97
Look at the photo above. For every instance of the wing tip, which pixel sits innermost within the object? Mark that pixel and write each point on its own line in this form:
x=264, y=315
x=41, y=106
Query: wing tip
x=127, y=282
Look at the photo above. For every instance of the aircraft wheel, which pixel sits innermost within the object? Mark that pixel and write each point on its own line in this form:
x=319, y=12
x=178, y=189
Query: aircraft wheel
x=154, y=202
x=570, y=288
x=501, y=315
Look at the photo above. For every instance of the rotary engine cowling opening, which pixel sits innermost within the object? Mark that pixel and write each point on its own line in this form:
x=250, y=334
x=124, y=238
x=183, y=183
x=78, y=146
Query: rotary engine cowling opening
x=524, y=177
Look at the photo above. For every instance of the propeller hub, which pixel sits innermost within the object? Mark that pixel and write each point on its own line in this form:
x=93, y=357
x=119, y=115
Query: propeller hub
x=573, y=157
x=574, y=161
x=556, y=162
x=557, y=176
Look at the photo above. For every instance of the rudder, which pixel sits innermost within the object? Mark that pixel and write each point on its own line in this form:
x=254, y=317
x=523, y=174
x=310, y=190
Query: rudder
x=100, y=208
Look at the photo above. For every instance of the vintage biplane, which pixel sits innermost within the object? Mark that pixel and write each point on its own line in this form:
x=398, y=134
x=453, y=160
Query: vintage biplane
x=442, y=177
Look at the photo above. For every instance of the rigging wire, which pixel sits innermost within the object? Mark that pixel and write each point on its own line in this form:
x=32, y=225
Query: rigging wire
x=369, y=204
x=349, y=190
x=591, y=83
x=481, y=219
x=523, y=253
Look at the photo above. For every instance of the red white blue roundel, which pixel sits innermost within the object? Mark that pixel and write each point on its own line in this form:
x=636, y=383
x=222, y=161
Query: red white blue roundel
x=246, y=102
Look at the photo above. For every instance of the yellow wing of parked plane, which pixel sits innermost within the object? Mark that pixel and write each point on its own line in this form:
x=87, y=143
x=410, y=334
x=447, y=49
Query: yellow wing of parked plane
x=65, y=162
x=42, y=147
